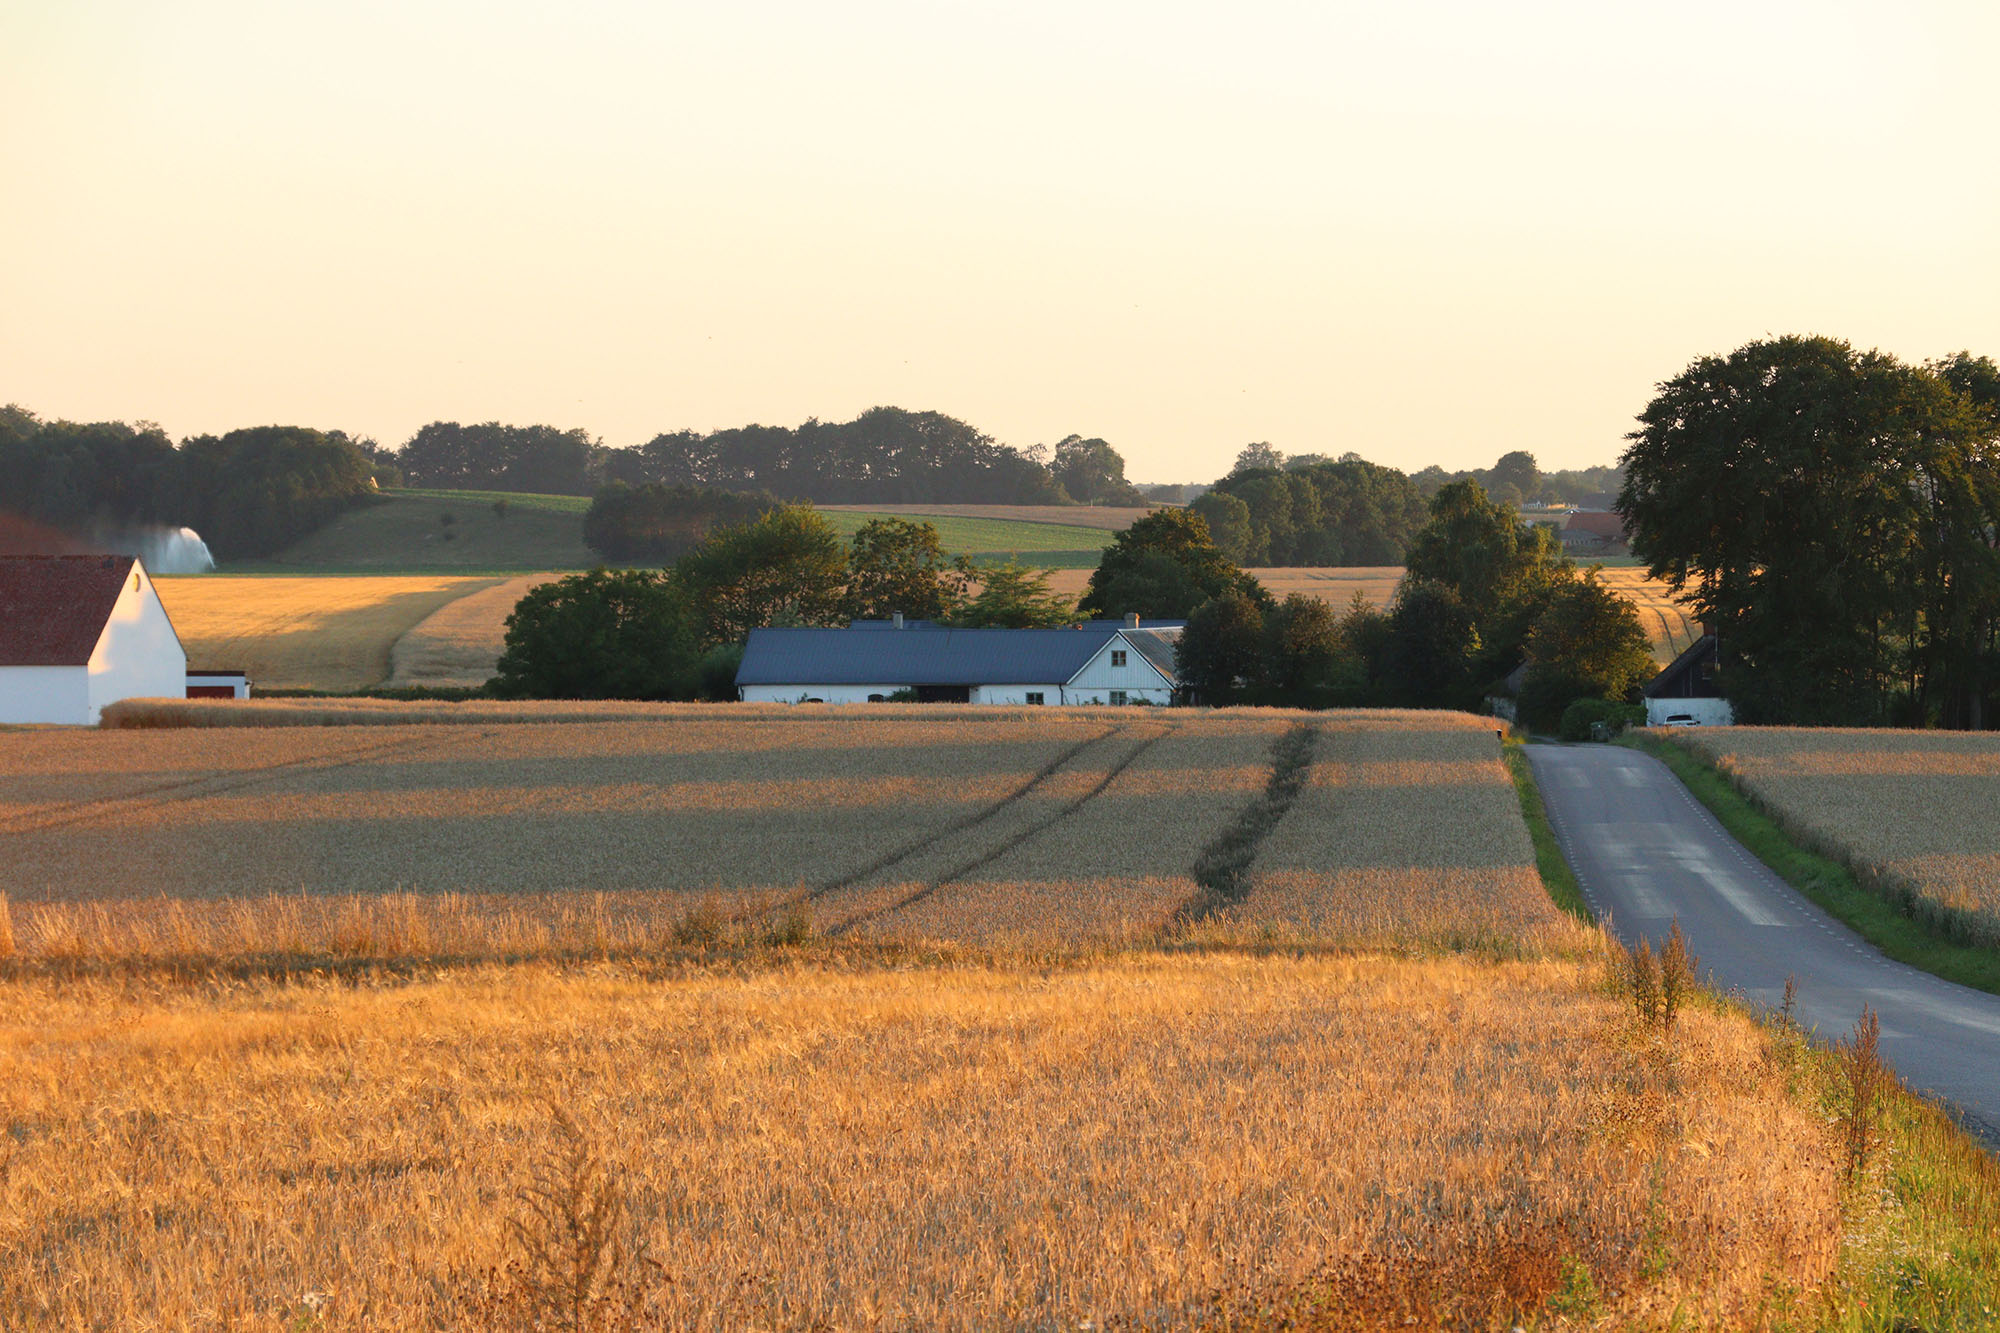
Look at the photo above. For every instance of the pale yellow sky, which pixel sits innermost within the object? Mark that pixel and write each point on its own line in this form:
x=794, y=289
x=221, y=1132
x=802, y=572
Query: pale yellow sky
x=1424, y=232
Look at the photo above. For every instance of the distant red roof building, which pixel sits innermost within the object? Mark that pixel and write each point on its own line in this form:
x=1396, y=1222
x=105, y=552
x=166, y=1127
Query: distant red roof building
x=1604, y=524
x=79, y=632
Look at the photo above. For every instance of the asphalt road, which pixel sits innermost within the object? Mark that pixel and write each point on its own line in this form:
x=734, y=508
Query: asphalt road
x=1646, y=852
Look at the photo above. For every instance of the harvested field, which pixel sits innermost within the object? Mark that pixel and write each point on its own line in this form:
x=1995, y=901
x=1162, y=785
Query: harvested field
x=459, y=644
x=1666, y=621
x=1152, y=1141
x=304, y=633
x=1915, y=814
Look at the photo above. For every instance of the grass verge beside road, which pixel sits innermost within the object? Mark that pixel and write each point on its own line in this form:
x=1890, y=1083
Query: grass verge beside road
x=1557, y=877
x=1823, y=880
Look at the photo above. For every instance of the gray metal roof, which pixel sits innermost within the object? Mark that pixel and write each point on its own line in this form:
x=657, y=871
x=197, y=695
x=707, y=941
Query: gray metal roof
x=928, y=656
x=1156, y=645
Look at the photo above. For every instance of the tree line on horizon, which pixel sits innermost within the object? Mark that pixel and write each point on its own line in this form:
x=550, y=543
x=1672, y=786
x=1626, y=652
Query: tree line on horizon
x=253, y=492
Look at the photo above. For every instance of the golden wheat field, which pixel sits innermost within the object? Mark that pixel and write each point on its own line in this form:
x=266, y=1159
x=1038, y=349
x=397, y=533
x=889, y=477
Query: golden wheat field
x=1916, y=812
x=347, y=1015
x=304, y=633
x=1666, y=621
x=1154, y=1141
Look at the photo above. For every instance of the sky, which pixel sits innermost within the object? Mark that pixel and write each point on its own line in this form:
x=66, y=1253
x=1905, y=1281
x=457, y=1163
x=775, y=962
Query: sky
x=1425, y=232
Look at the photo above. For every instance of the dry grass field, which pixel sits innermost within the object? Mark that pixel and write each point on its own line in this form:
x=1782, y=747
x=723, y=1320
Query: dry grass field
x=1146, y=1142
x=1914, y=813
x=326, y=633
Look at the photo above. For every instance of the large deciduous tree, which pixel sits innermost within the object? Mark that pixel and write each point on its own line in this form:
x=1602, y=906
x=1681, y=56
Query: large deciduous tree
x=1163, y=567
x=788, y=567
x=894, y=565
x=1587, y=643
x=1219, y=657
x=1833, y=511
x=626, y=634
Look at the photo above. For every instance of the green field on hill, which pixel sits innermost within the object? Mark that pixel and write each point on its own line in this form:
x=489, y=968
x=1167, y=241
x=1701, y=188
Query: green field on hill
x=440, y=531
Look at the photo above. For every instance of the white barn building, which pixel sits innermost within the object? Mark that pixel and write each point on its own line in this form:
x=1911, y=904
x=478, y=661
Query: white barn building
x=1104, y=662
x=78, y=632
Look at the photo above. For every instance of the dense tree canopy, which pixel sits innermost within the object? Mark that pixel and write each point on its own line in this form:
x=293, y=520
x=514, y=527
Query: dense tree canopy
x=1345, y=512
x=788, y=567
x=1586, y=643
x=657, y=523
x=1163, y=567
x=250, y=492
x=1091, y=472
x=895, y=565
x=494, y=457
x=628, y=634
x=1835, y=513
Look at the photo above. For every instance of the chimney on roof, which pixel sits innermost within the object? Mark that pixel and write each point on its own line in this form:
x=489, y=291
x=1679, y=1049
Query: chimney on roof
x=896, y=619
x=1131, y=620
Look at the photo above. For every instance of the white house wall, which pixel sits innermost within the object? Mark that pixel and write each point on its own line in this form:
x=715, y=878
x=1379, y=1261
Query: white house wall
x=1707, y=712
x=1138, y=677
x=831, y=694
x=138, y=656
x=45, y=694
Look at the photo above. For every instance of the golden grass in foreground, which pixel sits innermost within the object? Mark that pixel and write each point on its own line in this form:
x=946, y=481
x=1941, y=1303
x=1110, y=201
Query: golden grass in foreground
x=1915, y=813
x=304, y=633
x=1157, y=1140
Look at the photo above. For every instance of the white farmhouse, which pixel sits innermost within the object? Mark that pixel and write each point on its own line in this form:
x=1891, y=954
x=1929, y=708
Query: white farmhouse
x=80, y=631
x=1104, y=662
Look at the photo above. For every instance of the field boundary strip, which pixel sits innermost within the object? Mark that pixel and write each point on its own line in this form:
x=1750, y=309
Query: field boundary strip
x=1222, y=870
x=1007, y=845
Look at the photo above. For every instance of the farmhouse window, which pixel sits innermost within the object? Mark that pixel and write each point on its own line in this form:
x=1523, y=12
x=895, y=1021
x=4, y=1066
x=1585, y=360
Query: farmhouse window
x=1117, y=657
x=1034, y=696
x=1118, y=696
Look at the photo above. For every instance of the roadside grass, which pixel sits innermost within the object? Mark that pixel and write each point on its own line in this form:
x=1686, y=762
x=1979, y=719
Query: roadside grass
x=1825, y=881
x=1557, y=877
x=1921, y=1248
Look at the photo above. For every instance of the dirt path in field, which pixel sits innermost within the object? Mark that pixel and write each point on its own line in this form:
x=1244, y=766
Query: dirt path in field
x=458, y=645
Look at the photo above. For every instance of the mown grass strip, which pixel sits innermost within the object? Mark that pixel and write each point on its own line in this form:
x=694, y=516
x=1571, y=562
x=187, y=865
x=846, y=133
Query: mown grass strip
x=1557, y=877
x=1823, y=880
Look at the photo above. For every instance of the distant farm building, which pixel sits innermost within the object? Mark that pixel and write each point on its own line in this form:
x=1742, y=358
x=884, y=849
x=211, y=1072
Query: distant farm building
x=1103, y=662
x=218, y=684
x=78, y=632
x=1686, y=693
x=1593, y=532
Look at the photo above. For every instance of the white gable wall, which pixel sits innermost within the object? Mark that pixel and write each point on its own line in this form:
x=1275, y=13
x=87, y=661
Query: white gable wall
x=138, y=656
x=44, y=694
x=1138, y=678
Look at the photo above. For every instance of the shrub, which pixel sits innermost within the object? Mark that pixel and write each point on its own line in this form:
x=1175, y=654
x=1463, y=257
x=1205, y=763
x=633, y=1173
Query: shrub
x=1580, y=715
x=601, y=635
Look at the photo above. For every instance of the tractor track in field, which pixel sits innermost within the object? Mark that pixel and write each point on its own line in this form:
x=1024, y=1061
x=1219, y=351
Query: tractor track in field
x=923, y=844
x=83, y=812
x=992, y=854
x=1223, y=869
